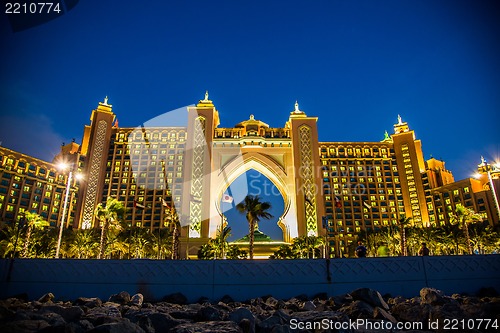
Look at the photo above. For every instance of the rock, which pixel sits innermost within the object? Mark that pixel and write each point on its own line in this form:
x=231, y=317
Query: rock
x=279, y=317
x=311, y=317
x=492, y=308
x=308, y=306
x=396, y=300
x=379, y=313
x=103, y=315
x=203, y=300
x=226, y=299
x=53, y=319
x=209, y=313
x=48, y=297
x=341, y=300
x=271, y=301
x=85, y=324
x=176, y=298
x=244, y=318
x=246, y=326
x=120, y=327
x=5, y=313
x=411, y=312
x=369, y=296
x=88, y=302
x=188, y=312
x=163, y=322
x=431, y=296
x=72, y=313
x=207, y=327
x=137, y=300
x=24, y=326
x=121, y=298
x=358, y=310
x=57, y=329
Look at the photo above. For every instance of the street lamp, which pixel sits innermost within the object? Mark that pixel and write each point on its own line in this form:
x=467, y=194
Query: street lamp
x=64, y=166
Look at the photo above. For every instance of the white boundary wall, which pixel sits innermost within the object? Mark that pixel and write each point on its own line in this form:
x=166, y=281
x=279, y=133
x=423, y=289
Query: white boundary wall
x=244, y=279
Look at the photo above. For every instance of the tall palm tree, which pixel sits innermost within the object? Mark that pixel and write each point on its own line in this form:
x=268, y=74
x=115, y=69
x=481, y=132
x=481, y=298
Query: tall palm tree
x=463, y=216
x=254, y=210
x=110, y=216
x=173, y=223
x=33, y=221
x=402, y=223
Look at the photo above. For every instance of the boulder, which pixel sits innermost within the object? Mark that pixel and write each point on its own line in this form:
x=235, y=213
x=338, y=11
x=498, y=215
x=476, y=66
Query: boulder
x=48, y=297
x=431, y=296
x=163, y=322
x=120, y=298
x=369, y=296
x=176, y=298
x=88, y=302
x=137, y=300
x=209, y=313
x=308, y=306
x=226, y=299
x=358, y=310
x=244, y=318
x=72, y=313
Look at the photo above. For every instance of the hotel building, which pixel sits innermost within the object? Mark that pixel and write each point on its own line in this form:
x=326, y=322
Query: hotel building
x=332, y=189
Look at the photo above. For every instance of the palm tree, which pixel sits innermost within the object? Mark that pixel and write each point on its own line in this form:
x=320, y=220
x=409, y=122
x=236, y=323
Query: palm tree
x=234, y=252
x=220, y=244
x=8, y=236
x=402, y=222
x=33, y=221
x=173, y=223
x=463, y=216
x=254, y=210
x=206, y=251
x=300, y=247
x=110, y=216
x=285, y=251
x=84, y=245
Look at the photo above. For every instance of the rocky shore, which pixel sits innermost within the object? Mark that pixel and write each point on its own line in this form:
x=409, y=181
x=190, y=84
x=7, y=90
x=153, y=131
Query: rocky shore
x=362, y=310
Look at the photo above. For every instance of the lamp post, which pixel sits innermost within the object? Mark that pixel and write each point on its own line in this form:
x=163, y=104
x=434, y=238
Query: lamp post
x=64, y=166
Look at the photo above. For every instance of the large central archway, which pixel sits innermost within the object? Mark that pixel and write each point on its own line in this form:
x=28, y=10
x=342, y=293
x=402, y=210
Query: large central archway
x=256, y=184
x=268, y=167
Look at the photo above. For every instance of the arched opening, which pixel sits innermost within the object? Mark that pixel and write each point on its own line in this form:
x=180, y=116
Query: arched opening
x=253, y=183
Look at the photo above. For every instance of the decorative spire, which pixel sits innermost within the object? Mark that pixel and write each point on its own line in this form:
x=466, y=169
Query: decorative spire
x=297, y=106
x=206, y=96
x=386, y=136
x=400, y=121
x=252, y=117
x=483, y=160
x=106, y=100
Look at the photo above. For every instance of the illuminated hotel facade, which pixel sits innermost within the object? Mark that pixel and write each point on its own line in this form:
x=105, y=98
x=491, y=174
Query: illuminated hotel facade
x=332, y=189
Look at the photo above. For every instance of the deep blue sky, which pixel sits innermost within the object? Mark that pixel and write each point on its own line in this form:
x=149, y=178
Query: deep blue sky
x=354, y=64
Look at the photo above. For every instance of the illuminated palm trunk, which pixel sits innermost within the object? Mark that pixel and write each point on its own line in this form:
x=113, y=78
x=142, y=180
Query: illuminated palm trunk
x=27, y=242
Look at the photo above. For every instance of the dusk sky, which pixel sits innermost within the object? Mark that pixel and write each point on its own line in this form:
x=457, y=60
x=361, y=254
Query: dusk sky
x=354, y=64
